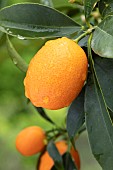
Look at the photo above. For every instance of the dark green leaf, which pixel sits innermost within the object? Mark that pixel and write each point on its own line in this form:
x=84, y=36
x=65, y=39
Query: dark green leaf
x=68, y=162
x=75, y=117
x=104, y=71
x=43, y=114
x=53, y=168
x=16, y=58
x=55, y=155
x=99, y=126
x=83, y=42
x=105, y=7
x=98, y=121
x=34, y=21
x=111, y=114
x=89, y=5
x=102, y=42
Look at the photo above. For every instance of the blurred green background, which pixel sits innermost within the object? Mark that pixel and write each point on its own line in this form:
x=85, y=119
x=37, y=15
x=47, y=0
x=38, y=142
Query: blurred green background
x=15, y=113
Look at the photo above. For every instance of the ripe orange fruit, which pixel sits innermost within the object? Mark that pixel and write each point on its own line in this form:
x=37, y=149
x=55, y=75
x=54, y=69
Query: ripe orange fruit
x=30, y=141
x=56, y=74
x=46, y=162
x=75, y=156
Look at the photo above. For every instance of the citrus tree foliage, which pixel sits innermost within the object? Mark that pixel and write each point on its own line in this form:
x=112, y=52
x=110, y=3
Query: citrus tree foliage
x=91, y=25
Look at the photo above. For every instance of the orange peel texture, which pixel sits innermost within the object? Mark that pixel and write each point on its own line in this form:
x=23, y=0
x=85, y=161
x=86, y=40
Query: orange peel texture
x=56, y=74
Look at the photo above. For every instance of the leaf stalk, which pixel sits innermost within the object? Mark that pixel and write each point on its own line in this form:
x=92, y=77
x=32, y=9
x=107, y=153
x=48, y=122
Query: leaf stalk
x=89, y=31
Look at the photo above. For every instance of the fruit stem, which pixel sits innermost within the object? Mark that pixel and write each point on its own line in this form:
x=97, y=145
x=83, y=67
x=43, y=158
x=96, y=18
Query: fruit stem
x=54, y=133
x=89, y=49
x=89, y=31
x=56, y=130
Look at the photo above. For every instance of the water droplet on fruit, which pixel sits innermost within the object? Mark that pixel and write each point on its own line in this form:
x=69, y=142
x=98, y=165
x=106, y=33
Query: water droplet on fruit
x=46, y=99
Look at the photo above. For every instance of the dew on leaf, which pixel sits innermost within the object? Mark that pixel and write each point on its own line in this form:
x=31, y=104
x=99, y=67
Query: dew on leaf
x=15, y=62
x=20, y=37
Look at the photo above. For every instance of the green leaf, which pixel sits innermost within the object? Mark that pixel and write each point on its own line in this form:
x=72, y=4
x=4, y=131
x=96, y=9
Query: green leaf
x=75, y=117
x=43, y=114
x=55, y=155
x=53, y=168
x=68, y=162
x=35, y=20
x=83, y=42
x=111, y=114
x=104, y=71
x=99, y=126
x=89, y=5
x=16, y=58
x=102, y=41
x=98, y=121
x=105, y=7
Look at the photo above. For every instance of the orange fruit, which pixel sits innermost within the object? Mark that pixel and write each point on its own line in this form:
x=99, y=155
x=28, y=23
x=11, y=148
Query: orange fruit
x=46, y=162
x=30, y=141
x=75, y=156
x=56, y=74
